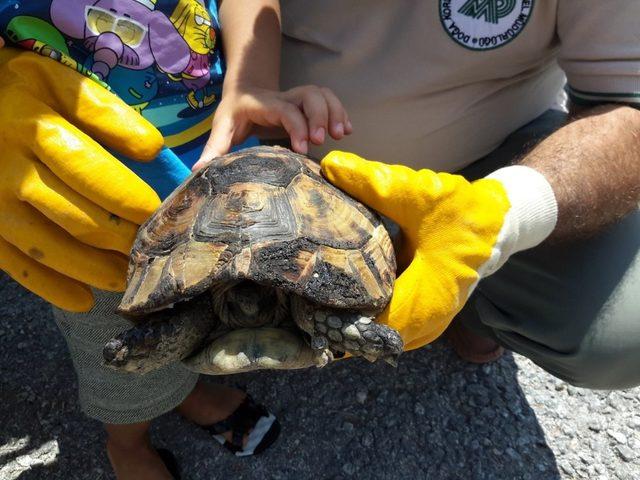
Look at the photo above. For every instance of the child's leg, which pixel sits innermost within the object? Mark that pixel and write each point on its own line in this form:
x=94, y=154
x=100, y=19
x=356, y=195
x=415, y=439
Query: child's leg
x=107, y=395
x=131, y=441
x=125, y=403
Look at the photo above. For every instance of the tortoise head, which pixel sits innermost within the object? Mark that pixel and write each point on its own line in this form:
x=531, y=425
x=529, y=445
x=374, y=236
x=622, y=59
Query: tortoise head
x=247, y=304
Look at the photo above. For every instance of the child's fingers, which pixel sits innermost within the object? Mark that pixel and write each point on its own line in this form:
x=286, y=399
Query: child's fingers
x=295, y=124
x=219, y=143
x=316, y=110
x=348, y=128
x=339, y=124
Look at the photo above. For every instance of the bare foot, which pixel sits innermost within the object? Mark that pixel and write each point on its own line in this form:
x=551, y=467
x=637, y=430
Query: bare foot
x=131, y=454
x=208, y=404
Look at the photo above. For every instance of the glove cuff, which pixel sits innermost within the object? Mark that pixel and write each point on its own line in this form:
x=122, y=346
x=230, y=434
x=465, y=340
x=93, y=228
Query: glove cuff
x=531, y=218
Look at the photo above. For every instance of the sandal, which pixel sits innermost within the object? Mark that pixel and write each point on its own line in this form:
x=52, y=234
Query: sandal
x=249, y=418
x=170, y=462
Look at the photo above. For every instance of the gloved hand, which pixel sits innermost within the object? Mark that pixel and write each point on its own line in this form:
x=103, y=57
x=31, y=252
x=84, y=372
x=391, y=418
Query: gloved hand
x=455, y=232
x=68, y=209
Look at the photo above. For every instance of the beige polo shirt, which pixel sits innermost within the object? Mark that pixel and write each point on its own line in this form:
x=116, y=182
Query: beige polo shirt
x=440, y=83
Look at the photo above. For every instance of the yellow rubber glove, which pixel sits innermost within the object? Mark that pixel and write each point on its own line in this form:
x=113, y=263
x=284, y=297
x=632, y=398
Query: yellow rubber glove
x=454, y=232
x=68, y=209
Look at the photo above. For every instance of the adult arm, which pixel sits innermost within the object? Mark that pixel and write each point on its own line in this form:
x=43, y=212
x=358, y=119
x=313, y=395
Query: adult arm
x=251, y=39
x=593, y=166
x=593, y=163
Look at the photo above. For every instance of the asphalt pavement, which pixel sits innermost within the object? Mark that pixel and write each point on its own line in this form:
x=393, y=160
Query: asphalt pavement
x=434, y=417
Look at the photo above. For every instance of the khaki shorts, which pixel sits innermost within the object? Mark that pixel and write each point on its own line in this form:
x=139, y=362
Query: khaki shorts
x=108, y=395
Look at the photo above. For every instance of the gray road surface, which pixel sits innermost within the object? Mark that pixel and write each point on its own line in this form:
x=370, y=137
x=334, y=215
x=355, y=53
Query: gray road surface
x=432, y=418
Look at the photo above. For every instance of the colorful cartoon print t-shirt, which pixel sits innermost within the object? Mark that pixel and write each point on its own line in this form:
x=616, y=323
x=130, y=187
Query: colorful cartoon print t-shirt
x=162, y=57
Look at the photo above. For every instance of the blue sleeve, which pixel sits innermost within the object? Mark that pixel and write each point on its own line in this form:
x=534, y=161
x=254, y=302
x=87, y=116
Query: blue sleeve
x=163, y=174
x=167, y=171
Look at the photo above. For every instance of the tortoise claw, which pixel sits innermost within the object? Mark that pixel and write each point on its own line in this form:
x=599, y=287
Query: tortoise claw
x=323, y=358
x=391, y=360
x=368, y=356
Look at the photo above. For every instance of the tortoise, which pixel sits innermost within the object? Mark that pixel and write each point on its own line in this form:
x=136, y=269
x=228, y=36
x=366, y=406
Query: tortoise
x=256, y=261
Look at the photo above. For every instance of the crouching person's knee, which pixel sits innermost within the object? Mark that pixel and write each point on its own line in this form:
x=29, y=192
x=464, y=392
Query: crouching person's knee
x=604, y=365
x=573, y=340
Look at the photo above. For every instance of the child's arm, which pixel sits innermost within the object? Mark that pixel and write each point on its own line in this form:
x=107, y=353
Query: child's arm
x=251, y=41
x=252, y=101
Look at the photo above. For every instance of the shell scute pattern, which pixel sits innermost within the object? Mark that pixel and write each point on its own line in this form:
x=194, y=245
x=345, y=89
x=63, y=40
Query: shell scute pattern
x=324, y=217
x=247, y=213
x=173, y=221
x=266, y=215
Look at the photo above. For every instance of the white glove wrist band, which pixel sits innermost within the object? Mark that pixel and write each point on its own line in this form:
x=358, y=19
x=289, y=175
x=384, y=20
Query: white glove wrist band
x=531, y=218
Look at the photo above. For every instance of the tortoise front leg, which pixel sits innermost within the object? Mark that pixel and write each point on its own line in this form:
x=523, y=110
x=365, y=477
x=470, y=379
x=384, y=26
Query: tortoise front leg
x=162, y=337
x=347, y=331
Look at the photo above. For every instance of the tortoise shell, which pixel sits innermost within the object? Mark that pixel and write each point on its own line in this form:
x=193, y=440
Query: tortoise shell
x=263, y=214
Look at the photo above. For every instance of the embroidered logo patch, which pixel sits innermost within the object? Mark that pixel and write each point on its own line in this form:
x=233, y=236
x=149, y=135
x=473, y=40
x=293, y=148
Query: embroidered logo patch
x=484, y=24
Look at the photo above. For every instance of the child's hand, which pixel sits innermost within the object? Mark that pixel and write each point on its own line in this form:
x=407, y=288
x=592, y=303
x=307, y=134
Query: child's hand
x=305, y=113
